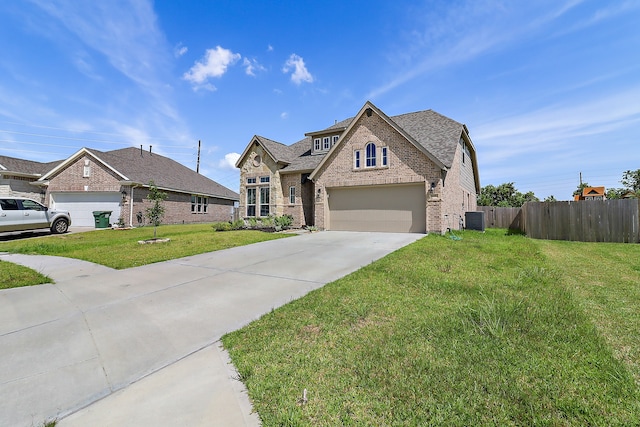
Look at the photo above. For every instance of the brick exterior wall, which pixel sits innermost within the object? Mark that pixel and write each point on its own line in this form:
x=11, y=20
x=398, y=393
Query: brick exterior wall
x=406, y=164
x=446, y=202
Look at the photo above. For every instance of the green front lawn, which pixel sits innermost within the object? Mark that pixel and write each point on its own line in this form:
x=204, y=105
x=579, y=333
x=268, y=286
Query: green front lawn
x=120, y=248
x=15, y=276
x=489, y=330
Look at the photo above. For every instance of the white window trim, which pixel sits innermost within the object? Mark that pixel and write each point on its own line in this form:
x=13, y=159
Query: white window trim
x=317, y=144
x=335, y=139
x=384, y=157
x=357, y=159
x=326, y=143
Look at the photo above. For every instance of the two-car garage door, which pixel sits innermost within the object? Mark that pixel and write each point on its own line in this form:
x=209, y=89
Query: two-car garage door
x=392, y=208
x=82, y=205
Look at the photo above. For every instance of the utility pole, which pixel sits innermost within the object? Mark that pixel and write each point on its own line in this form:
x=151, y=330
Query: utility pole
x=198, y=164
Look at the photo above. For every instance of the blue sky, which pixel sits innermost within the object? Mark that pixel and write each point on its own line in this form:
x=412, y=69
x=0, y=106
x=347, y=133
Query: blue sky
x=548, y=89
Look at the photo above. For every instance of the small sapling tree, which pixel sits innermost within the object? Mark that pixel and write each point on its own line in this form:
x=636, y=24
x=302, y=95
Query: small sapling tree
x=155, y=212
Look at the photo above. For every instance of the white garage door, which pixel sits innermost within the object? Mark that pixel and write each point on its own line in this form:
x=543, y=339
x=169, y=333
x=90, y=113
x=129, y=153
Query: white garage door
x=393, y=208
x=82, y=205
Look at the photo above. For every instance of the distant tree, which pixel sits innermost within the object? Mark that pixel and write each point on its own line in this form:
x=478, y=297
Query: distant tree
x=504, y=195
x=631, y=180
x=155, y=212
x=550, y=199
x=616, y=193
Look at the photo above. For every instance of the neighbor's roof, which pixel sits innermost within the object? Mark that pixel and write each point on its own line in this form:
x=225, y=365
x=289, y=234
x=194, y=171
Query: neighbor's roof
x=593, y=191
x=141, y=166
x=25, y=167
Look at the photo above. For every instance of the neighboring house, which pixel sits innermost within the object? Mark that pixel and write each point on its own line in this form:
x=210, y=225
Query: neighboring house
x=415, y=172
x=591, y=193
x=117, y=181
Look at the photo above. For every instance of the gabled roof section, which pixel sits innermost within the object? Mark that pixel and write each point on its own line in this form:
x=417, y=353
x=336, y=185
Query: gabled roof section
x=279, y=152
x=368, y=108
x=73, y=158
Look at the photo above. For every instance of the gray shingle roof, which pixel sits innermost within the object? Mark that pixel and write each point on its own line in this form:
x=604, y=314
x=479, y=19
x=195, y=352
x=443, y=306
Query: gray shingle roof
x=142, y=166
x=11, y=164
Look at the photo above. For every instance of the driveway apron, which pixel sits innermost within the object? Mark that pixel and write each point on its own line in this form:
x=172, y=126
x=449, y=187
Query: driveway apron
x=141, y=346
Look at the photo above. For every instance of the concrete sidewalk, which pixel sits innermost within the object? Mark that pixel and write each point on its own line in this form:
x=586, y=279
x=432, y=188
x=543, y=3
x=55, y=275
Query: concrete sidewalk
x=141, y=346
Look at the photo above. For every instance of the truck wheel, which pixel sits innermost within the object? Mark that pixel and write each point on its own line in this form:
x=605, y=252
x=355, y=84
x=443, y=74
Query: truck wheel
x=60, y=226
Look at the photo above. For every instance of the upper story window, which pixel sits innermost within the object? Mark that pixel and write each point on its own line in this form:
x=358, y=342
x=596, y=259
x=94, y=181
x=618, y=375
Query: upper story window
x=356, y=159
x=326, y=143
x=335, y=139
x=383, y=156
x=264, y=179
x=251, y=180
x=370, y=159
x=316, y=144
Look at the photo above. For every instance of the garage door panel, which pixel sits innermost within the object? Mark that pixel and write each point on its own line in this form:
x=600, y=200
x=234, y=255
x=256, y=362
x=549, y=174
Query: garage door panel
x=399, y=208
x=82, y=205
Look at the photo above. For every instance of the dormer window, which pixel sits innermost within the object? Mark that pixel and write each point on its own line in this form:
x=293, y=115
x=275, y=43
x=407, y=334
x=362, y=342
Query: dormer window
x=335, y=139
x=326, y=143
x=316, y=144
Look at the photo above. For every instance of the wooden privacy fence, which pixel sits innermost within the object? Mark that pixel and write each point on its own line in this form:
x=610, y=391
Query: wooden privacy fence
x=585, y=221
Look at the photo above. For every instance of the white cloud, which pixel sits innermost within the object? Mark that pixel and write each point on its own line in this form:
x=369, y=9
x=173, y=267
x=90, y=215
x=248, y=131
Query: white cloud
x=251, y=66
x=229, y=161
x=214, y=64
x=284, y=115
x=300, y=73
x=269, y=48
x=180, y=50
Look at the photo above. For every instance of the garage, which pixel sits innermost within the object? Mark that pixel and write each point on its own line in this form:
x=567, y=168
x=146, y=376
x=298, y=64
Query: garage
x=390, y=208
x=82, y=205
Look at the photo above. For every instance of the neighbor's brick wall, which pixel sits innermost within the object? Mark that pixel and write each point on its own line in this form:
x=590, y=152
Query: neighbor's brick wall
x=177, y=209
x=267, y=167
x=71, y=179
x=406, y=163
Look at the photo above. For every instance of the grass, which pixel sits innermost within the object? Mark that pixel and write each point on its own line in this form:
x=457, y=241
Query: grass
x=120, y=248
x=16, y=276
x=489, y=330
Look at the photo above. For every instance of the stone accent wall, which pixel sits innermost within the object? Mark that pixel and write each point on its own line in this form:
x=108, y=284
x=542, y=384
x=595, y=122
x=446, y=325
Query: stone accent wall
x=406, y=164
x=266, y=167
x=20, y=187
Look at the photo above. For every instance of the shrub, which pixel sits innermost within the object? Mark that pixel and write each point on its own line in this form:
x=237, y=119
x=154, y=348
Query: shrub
x=238, y=224
x=221, y=226
x=283, y=221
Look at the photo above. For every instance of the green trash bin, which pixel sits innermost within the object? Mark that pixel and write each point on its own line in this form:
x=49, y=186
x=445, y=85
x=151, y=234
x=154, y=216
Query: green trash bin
x=102, y=218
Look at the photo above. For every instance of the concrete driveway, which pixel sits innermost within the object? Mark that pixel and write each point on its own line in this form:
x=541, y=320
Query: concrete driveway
x=140, y=347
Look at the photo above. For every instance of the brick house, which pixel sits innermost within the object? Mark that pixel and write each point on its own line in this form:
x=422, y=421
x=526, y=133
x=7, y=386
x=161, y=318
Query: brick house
x=414, y=172
x=117, y=181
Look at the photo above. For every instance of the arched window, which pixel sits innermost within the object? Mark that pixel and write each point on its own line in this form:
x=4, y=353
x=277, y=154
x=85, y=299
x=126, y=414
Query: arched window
x=370, y=154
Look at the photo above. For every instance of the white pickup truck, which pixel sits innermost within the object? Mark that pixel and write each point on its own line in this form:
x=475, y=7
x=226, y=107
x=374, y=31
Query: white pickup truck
x=22, y=214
